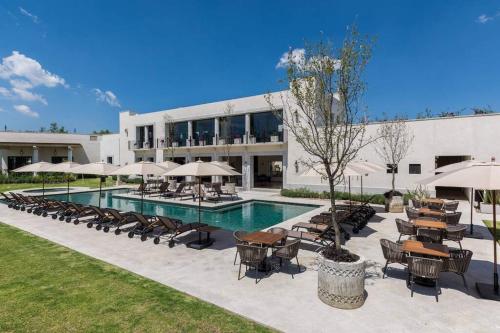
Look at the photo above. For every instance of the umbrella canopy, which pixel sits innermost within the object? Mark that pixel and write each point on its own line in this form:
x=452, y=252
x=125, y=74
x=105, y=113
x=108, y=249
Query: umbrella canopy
x=350, y=170
x=200, y=169
x=169, y=165
x=456, y=166
x=142, y=168
x=65, y=167
x=35, y=167
x=484, y=176
x=223, y=165
x=97, y=168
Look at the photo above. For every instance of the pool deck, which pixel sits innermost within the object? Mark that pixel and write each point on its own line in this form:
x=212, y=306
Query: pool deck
x=288, y=304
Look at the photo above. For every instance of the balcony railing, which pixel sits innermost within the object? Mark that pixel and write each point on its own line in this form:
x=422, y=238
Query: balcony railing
x=132, y=145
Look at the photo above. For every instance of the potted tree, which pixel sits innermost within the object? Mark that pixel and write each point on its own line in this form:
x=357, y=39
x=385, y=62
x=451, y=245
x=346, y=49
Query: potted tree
x=394, y=141
x=323, y=115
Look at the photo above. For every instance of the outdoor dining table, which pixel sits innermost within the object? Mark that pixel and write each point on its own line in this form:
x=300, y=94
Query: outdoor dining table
x=430, y=212
x=267, y=239
x=433, y=200
x=432, y=224
x=425, y=248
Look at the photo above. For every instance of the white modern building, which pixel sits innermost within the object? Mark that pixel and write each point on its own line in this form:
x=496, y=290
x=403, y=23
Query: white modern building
x=260, y=148
x=20, y=148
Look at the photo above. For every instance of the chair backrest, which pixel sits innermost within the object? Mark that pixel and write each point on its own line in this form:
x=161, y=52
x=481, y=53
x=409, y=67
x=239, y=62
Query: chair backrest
x=172, y=184
x=456, y=232
x=250, y=253
x=164, y=186
x=405, y=228
x=453, y=218
x=435, y=205
x=424, y=267
x=451, y=206
x=411, y=213
x=278, y=230
x=238, y=235
x=167, y=223
x=142, y=187
x=217, y=188
x=392, y=251
x=416, y=203
x=180, y=188
x=458, y=262
x=141, y=219
x=291, y=249
x=429, y=235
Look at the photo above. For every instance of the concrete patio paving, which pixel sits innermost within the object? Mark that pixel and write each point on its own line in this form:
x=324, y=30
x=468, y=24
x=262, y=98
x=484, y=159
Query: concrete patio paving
x=288, y=304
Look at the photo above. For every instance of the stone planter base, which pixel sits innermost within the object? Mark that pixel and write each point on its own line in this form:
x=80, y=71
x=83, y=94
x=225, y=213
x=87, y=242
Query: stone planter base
x=394, y=204
x=341, y=284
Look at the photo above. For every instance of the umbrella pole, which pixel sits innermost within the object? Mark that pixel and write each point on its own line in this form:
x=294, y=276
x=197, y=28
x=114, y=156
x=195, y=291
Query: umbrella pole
x=142, y=193
x=362, y=188
x=350, y=201
x=100, y=190
x=67, y=194
x=471, y=210
x=43, y=186
x=199, y=199
x=495, y=268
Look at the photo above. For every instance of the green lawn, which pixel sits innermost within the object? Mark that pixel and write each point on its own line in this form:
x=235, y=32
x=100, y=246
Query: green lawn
x=45, y=287
x=489, y=225
x=91, y=182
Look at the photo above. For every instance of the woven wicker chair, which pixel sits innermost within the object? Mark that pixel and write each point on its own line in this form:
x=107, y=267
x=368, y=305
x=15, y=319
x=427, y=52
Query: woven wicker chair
x=435, y=205
x=251, y=256
x=456, y=233
x=412, y=213
x=417, y=203
x=451, y=206
x=277, y=230
x=405, y=228
x=452, y=218
x=425, y=268
x=392, y=254
x=237, y=235
x=429, y=235
x=458, y=263
x=287, y=252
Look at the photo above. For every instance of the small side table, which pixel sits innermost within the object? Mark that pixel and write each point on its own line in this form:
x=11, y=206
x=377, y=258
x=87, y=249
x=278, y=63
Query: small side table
x=203, y=243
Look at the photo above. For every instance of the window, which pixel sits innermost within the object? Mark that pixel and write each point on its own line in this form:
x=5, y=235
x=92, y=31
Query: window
x=179, y=134
x=232, y=128
x=390, y=167
x=415, y=169
x=266, y=127
x=203, y=132
x=109, y=159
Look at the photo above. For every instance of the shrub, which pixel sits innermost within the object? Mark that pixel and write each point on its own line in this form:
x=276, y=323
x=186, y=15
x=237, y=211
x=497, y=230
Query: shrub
x=14, y=178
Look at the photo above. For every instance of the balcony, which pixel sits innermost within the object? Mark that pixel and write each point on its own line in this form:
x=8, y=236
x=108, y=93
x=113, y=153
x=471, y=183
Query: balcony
x=140, y=145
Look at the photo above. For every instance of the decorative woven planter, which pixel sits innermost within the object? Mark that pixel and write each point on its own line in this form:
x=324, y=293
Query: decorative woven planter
x=341, y=284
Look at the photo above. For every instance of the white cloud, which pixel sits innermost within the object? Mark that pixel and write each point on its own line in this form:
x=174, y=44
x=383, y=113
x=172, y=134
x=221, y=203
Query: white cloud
x=106, y=97
x=24, y=74
x=2, y=110
x=484, y=18
x=296, y=55
x=26, y=110
x=33, y=17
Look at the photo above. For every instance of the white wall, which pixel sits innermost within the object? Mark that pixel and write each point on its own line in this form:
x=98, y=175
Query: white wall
x=110, y=146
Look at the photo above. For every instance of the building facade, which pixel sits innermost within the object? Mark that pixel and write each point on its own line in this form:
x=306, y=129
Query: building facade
x=256, y=143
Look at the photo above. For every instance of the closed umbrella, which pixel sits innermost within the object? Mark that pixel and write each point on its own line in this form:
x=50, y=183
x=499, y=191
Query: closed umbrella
x=200, y=169
x=484, y=176
x=36, y=167
x=142, y=169
x=64, y=167
x=99, y=169
x=457, y=166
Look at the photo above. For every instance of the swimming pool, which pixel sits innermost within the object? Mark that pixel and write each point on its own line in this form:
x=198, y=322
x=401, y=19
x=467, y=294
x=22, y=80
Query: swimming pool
x=47, y=190
x=249, y=216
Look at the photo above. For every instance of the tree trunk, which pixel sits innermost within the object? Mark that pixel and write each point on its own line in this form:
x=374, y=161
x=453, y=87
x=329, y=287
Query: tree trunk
x=393, y=180
x=334, y=210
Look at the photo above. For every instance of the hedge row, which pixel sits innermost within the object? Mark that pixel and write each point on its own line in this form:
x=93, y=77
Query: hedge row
x=29, y=178
x=306, y=193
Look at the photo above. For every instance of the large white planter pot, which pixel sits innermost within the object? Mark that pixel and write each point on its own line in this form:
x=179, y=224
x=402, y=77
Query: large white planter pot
x=488, y=208
x=341, y=284
x=394, y=204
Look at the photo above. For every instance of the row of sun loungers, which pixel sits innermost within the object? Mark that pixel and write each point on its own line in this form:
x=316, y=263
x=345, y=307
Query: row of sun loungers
x=181, y=191
x=105, y=219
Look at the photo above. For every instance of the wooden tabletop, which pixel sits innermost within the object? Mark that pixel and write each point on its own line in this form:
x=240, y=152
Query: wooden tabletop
x=430, y=249
x=432, y=212
x=208, y=228
x=264, y=238
x=422, y=223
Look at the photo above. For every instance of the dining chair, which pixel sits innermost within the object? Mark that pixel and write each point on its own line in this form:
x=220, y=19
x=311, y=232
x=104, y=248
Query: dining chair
x=456, y=233
x=430, y=235
x=405, y=228
x=435, y=205
x=238, y=235
x=412, y=213
x=453, y=218
x=288, y=252
x=425, y=268
x=393, y=254
x=251, y=256
x=458, y=263
x=451, y=206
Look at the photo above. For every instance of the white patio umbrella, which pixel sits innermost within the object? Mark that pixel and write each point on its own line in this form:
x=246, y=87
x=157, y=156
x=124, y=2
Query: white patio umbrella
x=64, y=167
x=199, y=169
x=169, y=165
x=484, y=176
x=36, y=167
x=369, y=167
x=457, y=166
x=142, y=169
x=99, y=169
x=224, y=165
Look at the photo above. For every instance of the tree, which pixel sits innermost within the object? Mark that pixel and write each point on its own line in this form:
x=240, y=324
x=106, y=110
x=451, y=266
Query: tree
x=102, y=132
x=394, y=141
x=322, y=109
x=226, y=129
x=482, y=110
x=54, y=128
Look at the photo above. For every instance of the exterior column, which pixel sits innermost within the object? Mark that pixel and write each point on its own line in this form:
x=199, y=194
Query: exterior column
x=285, y=169
x=159, y=155
x=146, y=137
x=34, y=156
x=216, y=130
x=3, y=163
x=190, y=133
x=247, y=128
x=70, y=154
x=247, y=171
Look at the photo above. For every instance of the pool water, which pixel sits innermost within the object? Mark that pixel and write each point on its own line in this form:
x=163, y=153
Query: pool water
x=249, y=216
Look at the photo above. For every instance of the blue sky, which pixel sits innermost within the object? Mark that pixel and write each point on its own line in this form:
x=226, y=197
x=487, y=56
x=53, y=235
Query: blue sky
x=80, y=62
